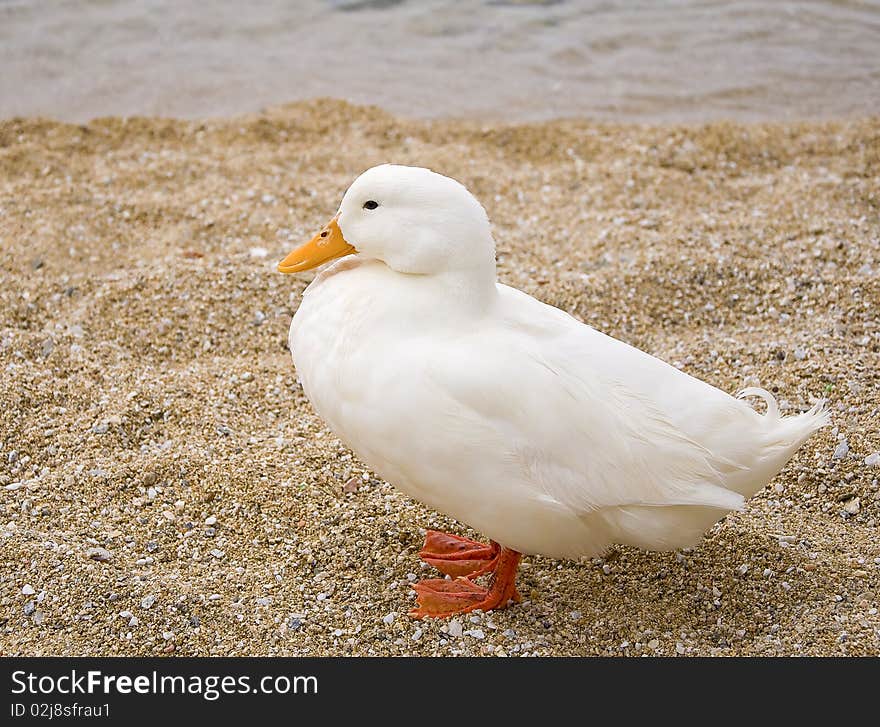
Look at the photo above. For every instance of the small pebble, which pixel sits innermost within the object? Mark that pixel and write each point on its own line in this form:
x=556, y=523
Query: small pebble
x=853, y=506
x=101, y=554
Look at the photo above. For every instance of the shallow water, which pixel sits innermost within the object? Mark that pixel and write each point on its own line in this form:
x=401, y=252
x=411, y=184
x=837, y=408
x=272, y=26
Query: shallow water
x=672, y=60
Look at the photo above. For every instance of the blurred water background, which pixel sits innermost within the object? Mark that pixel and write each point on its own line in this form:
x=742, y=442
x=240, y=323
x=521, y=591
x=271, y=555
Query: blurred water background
x=629, y=60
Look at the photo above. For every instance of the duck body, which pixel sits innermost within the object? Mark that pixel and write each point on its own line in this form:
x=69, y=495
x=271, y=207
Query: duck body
x=513, y=417
x=501, y=411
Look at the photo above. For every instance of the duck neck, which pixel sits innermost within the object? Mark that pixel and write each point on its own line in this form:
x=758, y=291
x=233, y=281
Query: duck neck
x=472, y=288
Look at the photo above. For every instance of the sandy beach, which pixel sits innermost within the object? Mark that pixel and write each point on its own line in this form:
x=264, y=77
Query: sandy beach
x=167, y=489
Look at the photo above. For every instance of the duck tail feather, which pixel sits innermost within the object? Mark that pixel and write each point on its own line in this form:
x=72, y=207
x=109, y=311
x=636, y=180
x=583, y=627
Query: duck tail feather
x=769, y=399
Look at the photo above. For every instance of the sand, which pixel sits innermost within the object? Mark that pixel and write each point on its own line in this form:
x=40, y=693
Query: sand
x=167, y=489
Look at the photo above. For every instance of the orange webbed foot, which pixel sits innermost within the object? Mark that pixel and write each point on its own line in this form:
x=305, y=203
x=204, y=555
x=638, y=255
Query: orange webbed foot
x=440, y=597
x=456, y=556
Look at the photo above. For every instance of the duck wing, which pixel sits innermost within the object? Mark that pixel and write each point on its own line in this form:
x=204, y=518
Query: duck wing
x=573, y=434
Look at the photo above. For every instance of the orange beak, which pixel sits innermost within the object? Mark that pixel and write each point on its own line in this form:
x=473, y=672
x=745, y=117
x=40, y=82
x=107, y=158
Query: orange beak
x=328, y=244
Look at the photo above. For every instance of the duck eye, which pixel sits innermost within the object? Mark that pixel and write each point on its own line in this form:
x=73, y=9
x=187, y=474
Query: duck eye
x=370, y=204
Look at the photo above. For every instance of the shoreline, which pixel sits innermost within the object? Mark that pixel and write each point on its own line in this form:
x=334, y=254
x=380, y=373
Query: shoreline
x=294, y=107
x=464, y=119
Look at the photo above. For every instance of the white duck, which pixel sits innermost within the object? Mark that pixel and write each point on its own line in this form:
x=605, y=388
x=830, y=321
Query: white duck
x=503, y=412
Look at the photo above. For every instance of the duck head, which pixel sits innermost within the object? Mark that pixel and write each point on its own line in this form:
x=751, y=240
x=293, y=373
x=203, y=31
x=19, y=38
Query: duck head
x=412, y=219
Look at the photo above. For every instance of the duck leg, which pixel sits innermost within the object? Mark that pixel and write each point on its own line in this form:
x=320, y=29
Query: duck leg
x=456, y=556
x=439, y=597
